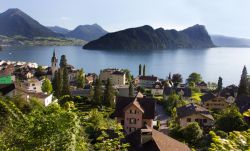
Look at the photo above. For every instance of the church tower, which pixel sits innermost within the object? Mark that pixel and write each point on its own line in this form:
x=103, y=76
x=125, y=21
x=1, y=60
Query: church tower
x=53, y=64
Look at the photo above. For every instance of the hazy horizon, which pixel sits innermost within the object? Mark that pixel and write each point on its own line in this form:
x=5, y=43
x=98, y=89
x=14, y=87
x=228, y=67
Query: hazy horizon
x=225, y=17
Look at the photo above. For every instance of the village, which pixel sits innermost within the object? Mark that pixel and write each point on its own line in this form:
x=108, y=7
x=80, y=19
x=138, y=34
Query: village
x=154, y=113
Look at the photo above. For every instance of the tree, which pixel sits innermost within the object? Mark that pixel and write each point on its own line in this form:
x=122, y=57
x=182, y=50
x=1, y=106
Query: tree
x=109, y=94
x=235, y=141
x=191, y=133
x=63, y=62
x=140, y=69
x=144, y=70
x=172, y=102
x=98, y=92
x=230, y=120
x=47, y=86
x=219, y=87
x=57, y=84
x=243, y=86
x=65, y=79
x=128, y=74
x=169, y=76
x=131, y=89
x=80, y=81
x=194, y=77
x=50, y=128
x=177, y=79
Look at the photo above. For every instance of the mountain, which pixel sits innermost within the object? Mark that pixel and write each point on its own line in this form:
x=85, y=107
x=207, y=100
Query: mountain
x=59, y=30
x=145, y=38
x=15, y=22
x=224, y=41
x=87, y=32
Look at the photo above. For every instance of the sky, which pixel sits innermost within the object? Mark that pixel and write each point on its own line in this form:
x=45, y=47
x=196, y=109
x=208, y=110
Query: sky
x=226, y=17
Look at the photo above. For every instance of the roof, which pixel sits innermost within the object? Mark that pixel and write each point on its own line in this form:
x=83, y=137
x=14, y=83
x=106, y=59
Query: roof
x=6, y=88
x=187, y=92
x=229, y=91
x=243, y=103
x=80, y=92
x=148, y=78
x=208, y=96
x=158, y=142
x=191, y=109
x=147, y=104
x=202, y=84
x=118, y=73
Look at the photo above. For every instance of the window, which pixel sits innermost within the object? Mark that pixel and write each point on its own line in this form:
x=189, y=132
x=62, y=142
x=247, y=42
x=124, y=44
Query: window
x=196, y=120
x=132, y=129
x=204, y=120
x=188, y=119
x=132, y=111
x=122, y=122
x=132, y=121
x=33, y=84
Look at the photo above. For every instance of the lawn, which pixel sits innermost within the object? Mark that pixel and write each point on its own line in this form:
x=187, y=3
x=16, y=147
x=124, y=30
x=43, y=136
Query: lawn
x=196, y=96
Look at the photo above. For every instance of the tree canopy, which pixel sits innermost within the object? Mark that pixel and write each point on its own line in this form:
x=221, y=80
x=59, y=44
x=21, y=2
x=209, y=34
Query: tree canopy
x=47, y=86
x=194, y=77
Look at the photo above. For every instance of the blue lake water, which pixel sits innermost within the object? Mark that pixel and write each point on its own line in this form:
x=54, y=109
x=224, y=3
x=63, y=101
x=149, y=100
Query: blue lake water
x=210, y=63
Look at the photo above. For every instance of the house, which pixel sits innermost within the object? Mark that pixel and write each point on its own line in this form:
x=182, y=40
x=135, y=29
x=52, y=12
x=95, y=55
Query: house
x=11, y=90
x=90, y=78
x=122, y=90
x=230, y=93
x=184, y=92
x=30, y=85
x=243, y=103
x=194, y=113
x=45, y=99
x=157, y=89
x=146, y=81
x=116, y=76
x=202, y=86
x=148, y=139
x=212, y=101
x=134, y=112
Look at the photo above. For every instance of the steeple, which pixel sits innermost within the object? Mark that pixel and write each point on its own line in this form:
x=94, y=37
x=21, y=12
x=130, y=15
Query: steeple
x=53, y=64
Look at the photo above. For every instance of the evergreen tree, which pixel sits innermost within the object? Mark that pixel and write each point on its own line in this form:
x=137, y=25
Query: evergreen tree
x=144, y=70
x=169, y=76
x=243, y=86
x=80, y=81
x=131, y=90
x=109, y=94
x=140, y=69
x=98, y=94
x=46, y=86
x=57, y=84
x=63, y=61
x=219, y=87
x=65, y=79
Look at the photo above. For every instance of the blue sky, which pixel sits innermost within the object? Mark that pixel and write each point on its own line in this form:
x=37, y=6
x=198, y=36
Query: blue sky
x=227, y=17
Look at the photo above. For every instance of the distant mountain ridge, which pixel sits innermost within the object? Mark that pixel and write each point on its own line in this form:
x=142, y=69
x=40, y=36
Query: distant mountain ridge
x=145, y=37
x=15, y=22
x=226, y=41
x=58, y=29
x=87, y=32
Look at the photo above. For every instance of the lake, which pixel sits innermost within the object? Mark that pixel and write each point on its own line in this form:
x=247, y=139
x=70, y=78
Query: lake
x=210, y=63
